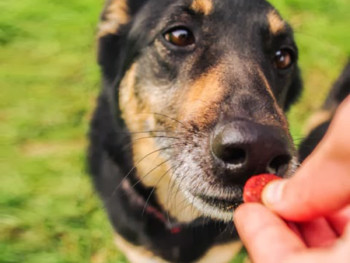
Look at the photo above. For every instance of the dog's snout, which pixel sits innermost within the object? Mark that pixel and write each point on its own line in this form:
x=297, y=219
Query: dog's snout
x=244, y=148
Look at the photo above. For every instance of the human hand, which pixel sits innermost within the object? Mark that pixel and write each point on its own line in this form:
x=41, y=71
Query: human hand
x=317, y=197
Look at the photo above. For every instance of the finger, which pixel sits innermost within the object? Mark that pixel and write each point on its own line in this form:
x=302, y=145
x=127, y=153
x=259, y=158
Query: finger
x=339, y=253
x=295, y=228
x=322, y=184
x=339, y=220
x=318, y=233
x=260, y=230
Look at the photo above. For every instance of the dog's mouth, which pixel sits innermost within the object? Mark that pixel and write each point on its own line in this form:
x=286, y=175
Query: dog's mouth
x=225, y=204
x=217, y=206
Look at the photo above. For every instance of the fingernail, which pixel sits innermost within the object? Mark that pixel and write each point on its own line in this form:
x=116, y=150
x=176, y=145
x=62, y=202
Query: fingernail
x=272, y=193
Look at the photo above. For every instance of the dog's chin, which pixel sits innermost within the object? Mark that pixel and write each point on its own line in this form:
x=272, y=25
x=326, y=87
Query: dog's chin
x=219, y=207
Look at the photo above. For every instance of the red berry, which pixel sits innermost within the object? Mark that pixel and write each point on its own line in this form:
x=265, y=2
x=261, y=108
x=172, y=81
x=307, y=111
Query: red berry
x=254, y=186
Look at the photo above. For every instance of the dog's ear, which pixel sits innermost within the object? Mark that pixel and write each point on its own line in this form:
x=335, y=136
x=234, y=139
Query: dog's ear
x=340, y=90
x=294, y=90
x=115, y=21
x=320, y=120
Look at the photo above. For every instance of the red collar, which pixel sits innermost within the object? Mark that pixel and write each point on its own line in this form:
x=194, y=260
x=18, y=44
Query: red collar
x=137, y=199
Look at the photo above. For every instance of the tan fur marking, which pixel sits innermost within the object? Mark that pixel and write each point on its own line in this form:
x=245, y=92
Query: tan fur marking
x=221, y=253
x=116, y=15
x=137, y=117
x=133, y=111
x=202, y=100
x=266, y=83
x=276, y=23
x=167, y=191
x=317, y=119
x=137, y=254
x=276, y=106
x=202, y=6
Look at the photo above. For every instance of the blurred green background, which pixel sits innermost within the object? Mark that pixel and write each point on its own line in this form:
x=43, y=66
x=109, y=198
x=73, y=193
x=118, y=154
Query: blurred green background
x=49, y=81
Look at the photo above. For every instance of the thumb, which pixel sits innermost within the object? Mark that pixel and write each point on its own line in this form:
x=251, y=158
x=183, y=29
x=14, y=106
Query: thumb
x=322, y=184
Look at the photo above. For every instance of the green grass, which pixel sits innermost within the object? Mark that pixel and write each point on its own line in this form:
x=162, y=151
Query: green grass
x=49, y=81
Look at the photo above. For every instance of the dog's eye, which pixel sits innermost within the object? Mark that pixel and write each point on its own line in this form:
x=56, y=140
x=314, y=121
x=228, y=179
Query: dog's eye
x=284, y=58
x=180, y=37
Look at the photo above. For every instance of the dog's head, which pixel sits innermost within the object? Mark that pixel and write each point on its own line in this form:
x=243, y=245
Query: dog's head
x=202, y=86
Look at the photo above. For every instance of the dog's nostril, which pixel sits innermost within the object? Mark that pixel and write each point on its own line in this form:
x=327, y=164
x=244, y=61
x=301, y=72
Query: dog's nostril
x=279, y=164
x=232, y=155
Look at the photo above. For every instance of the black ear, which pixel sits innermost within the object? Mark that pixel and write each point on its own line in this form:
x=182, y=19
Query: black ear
x=340, y=90
x=321, y=120
x=294, y=90
x=112, y=32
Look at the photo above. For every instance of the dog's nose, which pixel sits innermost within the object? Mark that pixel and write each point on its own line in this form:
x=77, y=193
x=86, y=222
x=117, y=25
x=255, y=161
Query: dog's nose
x=245, y=148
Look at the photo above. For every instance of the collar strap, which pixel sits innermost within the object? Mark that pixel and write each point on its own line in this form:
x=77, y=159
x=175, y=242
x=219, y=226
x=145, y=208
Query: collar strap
x=137, y=199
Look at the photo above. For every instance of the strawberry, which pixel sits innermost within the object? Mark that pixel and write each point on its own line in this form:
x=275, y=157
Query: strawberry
x=254, y=186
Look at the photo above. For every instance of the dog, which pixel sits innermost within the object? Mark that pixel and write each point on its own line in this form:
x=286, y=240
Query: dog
x=319, y=122
x=193, y=104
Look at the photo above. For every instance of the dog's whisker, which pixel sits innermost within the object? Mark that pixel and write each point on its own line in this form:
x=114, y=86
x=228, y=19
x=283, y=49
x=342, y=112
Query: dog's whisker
x=179, y=183
x=170, y=186
x=148, y=131
x=176, y=194
x=168, y=117
x=188, y=128
x=138, y=162
x=191, y=202
x=149, y=172
x=154, y=188
x=185, y=204
x=150, y=137
x=127, y=146
x=171, y=118
x=148, y=198
x=171, y=182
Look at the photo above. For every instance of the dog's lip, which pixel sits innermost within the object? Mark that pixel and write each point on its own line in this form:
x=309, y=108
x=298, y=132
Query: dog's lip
x=218, y=204
x=224, y=203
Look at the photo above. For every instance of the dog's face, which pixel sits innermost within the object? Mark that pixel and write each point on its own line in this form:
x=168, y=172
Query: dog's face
x=202, y=86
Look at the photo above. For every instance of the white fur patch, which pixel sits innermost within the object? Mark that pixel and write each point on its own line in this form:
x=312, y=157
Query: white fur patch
x=209, y=210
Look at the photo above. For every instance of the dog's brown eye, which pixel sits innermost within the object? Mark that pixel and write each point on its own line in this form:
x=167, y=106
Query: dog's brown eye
x=179, y=37
x=284, y=58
